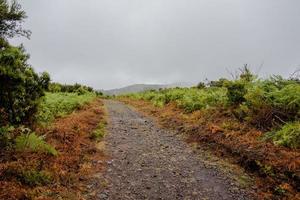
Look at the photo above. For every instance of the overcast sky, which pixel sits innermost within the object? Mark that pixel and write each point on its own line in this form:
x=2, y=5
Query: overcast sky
x=114, y=43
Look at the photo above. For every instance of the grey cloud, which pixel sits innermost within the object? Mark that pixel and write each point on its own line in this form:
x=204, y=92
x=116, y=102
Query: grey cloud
x=109, y=44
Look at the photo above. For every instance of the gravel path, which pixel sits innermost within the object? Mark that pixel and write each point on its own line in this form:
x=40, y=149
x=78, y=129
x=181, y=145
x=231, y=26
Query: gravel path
x=147, y=162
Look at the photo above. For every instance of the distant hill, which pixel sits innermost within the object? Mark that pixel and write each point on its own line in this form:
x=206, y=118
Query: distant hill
x=143, y=87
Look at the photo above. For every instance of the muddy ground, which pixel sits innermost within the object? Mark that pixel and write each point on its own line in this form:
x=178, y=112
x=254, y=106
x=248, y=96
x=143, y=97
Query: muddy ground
x=148, y=162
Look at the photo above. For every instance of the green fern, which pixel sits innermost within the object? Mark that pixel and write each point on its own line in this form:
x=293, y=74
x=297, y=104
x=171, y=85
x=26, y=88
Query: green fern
x=33, y=143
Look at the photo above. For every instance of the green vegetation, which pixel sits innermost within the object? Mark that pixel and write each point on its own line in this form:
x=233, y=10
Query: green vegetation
x=190, y=99
x=76, y=88
x=60, y=104
x=35, y=178
x=20, y=87
x=32, y=142
x=6, y=136
x=99, y=132
x=30, y=177
x=268, y=104
x=288, y=135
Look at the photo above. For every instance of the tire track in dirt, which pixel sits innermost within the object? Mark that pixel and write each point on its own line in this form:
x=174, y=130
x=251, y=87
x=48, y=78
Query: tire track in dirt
x=147, y=162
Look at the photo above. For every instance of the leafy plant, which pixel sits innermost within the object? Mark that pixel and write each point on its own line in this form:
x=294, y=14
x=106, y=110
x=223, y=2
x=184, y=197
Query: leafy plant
x=20, y=87
x=6, y=136
x=30, y=177
x=35, y=178
x=268, y=103
x=34, y=143
x=288, y=135
x=99, y=132
x=60, y=104
x=236, y=91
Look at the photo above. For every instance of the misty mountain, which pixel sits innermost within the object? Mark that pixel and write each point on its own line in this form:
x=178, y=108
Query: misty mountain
x=143, y=87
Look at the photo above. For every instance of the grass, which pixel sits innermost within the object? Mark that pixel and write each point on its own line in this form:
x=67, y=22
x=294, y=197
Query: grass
x=34, y=143
x=288, y=135
x=60, y=104
x=267, y=104
x=190, y=99
x=35, y=178
x=99, y=132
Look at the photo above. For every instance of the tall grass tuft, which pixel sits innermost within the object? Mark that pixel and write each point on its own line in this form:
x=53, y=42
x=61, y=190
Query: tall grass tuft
x=34, y=143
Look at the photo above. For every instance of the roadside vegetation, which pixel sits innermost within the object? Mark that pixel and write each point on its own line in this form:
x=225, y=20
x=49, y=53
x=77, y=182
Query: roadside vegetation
x=45, y=145
x=255, y=121
x=61, y=104
x=272, y=105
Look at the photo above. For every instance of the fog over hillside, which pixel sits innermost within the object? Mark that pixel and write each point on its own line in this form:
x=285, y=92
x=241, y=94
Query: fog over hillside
x=110, y=44
x=144, y=87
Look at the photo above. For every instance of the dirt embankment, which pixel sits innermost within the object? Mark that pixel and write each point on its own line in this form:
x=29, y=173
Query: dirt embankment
x=277, y=168
x=69, y=173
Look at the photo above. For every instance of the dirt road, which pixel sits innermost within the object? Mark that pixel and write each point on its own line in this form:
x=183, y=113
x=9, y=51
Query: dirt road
x=147, y=162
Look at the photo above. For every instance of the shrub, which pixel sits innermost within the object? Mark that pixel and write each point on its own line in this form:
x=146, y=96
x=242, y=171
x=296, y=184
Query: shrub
x=201, y=85
x=20, y=86
x=268, y=103
x=236, y=91
x=288, y=135
x=54, y=87
x=99, y=132
x=190, y=99
x=60, y=104
x=201, y=99
x=34, y=143
x=218, y=83
x=35, y=178
x=287, y=99
x=6, y=136
x=30, y=177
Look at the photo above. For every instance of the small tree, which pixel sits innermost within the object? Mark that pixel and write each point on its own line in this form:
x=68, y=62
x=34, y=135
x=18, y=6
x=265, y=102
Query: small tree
x=246, y=74
x=201, y=85
x=236, y=89
x=20, y=87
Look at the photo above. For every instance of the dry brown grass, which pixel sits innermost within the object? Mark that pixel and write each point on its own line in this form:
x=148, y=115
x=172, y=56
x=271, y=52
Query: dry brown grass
x=70, y=170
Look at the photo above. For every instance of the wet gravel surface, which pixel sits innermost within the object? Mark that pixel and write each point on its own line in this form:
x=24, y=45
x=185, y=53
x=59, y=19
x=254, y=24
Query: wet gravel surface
x=147, y=162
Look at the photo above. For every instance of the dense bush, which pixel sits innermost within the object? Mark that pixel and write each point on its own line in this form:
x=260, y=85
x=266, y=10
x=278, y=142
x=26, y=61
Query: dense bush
x=20, y=87
x=6, y=136
x=189, y=99
x=269, y=104
x=236, y=91
x=202, y=99
x=59, y=104
x=288, y=135
x=76, y=88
